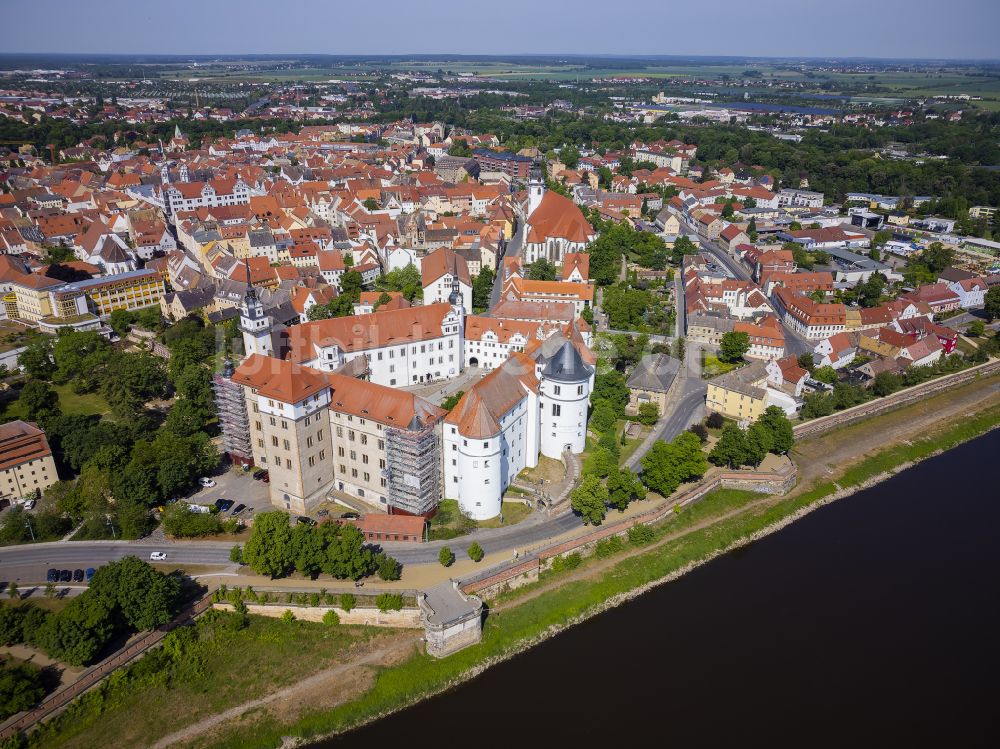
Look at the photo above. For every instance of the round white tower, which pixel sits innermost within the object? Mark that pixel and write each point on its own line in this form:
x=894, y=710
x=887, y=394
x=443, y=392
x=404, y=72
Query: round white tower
x=479, y=489
x=564, y=398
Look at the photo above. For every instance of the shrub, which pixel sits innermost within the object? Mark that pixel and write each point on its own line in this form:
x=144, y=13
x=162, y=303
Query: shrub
x=314, y=599
x=640, y=535
x=699, y=431
x=570, y=562
x=715, y=420
x=475, y=552
x=608, y=546
x=388, y=568
x=446, y=557
x=288, y=617
x=347, y=601
x=331, y=618
x=389, y=602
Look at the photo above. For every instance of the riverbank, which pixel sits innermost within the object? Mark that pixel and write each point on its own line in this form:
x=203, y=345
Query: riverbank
x=722, y=522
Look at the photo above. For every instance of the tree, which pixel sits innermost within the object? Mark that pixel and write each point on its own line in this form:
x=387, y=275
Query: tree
x=977, y=329
x=21, y=687
x=624, y=486
x=79, y=632
x=589, y=500
x=604, y=416
x=680, y=345
x=482, y=289
x=446, y=557
x=628, y=350
x=371, y=204
x=759, y=443
x=825, y=374
x=700, y=432
x=12, y=591
x=331, y=618
x=782, y=434
x=405, y=280
x=806, y=361
x=752, y=229
x=236, y=554
x=347, y=601
x=269, y=549
x=732, y=449
x=350, y=286
x=39, y=401
x=541, y=270
x=649, y=413
x=130, y=381
x=37, y=357
x=733, y=346
x=870, y=291
x=475, y=552
x=610, y=386
x=669, y=464
x=991, y=305
x=388, y=568
x=886, y=383
x=346, y=555
x=144, y=597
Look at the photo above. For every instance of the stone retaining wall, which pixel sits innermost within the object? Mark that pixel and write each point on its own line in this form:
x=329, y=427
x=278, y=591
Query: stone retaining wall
x=407, y=618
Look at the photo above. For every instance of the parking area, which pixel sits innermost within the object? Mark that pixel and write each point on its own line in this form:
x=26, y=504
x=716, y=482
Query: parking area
x=237, y=485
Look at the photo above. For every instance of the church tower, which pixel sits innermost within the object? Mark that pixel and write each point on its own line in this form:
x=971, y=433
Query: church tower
x=536, y=190
x=255, y=324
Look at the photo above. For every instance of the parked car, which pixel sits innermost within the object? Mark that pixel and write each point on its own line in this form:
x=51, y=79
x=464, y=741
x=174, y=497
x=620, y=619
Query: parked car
x=52, y=575
x=223, y=504
x=266, y=477
x=90, y=573
x=78, y=576
x=65, y=576
x=350, y=515
x=29, y=504
x=323, y=513
x=158, y=556
x=305, y=521
x=206, y=482
x=238, y=509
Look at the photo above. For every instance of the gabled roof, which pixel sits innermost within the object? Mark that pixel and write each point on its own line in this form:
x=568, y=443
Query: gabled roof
x=558, y=216
x=477, y=415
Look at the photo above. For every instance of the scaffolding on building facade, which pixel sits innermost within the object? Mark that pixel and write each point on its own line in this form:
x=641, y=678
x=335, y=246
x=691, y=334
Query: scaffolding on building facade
x=230, y=402
x=413, y=465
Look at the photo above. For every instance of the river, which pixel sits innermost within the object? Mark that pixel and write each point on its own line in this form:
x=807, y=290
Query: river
x=871, y=621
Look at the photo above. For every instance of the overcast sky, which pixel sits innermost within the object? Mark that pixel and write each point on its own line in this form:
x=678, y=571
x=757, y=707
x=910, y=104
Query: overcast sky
x=801, y=28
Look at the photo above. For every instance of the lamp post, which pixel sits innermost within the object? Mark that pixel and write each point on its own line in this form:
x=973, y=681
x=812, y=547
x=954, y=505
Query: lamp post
x=110, y=525
x=27, y=524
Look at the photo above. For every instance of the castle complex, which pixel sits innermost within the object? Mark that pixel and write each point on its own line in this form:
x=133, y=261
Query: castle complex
x=319, y=405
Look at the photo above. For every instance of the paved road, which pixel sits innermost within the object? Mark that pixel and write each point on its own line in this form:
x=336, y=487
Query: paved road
x=795, y=344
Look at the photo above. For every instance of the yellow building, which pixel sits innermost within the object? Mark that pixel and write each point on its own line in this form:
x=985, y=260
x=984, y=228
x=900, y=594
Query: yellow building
x=740, y=394
x=31, y=295
x=102, y=296
x=26, y=464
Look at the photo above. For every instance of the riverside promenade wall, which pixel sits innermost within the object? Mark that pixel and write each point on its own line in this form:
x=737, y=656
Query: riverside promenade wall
x=516, y=573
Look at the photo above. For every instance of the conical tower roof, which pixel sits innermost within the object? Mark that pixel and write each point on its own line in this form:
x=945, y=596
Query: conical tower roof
x=566, y=365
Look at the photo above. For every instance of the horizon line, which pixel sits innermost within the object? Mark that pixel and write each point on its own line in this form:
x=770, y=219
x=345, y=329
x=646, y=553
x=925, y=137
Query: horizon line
x=486, y=55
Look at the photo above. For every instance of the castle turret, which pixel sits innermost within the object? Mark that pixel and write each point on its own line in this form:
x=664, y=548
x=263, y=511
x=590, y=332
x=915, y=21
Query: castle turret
x=565, y=392
x=255, y=323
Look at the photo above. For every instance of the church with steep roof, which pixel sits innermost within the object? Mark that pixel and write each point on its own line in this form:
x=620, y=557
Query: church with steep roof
x=554, y=225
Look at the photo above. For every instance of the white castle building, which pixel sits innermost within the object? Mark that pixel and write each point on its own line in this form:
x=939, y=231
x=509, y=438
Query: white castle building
x=532, y=404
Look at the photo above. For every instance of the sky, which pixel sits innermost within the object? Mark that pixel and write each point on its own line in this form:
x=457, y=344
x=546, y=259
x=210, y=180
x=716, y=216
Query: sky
x=925, y=29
